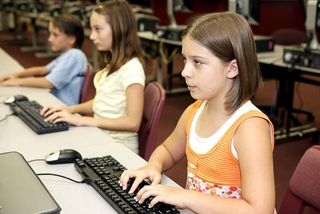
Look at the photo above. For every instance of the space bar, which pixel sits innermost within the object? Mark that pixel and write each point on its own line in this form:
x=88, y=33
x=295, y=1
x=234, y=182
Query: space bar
x=30, y=121
x=37, y=117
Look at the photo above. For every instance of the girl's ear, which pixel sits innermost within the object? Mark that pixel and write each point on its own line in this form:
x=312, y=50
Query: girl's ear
x=233, y=69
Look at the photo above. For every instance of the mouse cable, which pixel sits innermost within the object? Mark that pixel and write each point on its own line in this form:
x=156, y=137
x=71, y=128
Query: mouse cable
x=34, y=160
x=52, y=174
x=5, y=117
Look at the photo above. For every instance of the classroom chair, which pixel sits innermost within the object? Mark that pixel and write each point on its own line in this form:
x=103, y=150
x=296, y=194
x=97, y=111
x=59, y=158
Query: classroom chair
x=304, y=186
x=88, y=90
x=289, y=36
x=154, y=98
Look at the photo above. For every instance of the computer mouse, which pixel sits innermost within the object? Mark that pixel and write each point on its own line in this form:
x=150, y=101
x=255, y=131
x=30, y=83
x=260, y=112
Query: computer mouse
x=63, y=156
x=15, y=98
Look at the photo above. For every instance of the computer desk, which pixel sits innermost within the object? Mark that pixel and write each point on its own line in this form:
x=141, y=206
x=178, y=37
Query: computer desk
x=272, y=66
x=167, y=51
x=89, y=141
x=8, y=64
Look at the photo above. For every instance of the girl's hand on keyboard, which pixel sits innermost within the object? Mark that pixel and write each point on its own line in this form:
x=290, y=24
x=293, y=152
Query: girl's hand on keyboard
x=161, y=193
x=147, y=172
x=64, y=116
x=46, y=111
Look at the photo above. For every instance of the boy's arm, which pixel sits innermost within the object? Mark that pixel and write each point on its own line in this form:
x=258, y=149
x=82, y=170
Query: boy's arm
x=33, y=71
x=29, y=72
x=39, y=82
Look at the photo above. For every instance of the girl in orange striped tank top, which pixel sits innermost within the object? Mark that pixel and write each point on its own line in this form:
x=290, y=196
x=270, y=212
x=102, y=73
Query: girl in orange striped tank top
x=228, y=141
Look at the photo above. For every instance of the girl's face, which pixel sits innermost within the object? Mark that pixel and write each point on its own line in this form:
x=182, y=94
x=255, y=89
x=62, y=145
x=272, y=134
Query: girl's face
x=58, y=40
x=101, y=33
x=205, y=74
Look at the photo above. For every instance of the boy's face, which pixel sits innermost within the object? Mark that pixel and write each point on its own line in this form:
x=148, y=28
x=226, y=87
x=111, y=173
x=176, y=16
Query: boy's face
x=58, y=40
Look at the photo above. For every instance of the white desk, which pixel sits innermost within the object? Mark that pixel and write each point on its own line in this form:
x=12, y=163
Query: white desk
x=89, y=141
x=82, y=198
x=7, y=63
x=22, y=138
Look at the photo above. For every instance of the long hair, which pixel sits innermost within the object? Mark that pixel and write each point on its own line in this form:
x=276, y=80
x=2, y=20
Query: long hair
x=228, y=36
x=71, y=26
x=125, y=41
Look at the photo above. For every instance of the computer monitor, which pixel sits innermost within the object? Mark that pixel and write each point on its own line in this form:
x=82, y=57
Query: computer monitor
x=311, y=23
x=247, y=8
x=176, y=6
x=232, y=5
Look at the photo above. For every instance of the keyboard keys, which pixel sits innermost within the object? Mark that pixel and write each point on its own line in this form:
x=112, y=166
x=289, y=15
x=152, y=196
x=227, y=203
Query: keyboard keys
x=103, y=173
x=29, y=113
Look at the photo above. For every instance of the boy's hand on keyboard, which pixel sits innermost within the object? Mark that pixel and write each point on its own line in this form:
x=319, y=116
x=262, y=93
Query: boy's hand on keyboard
x=165, y=194
x=139, y=175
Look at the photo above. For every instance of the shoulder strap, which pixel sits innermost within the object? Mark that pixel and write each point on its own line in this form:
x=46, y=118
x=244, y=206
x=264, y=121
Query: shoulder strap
x=252, y=113
x=191, y=113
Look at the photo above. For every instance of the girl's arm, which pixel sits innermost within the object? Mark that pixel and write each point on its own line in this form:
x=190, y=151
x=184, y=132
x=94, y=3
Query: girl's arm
x=82, y=108
x=168, y=153
x=258, y=191
x=254, y=149
x=131, y=122
x=66, y=113
x=173, y=148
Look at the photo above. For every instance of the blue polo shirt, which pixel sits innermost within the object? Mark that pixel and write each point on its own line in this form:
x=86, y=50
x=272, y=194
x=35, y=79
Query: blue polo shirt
x=66, y=74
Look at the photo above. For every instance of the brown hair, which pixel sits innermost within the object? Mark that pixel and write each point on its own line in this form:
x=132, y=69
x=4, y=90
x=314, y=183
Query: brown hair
x=125, y=41
x=71, y=26
x=228, y=36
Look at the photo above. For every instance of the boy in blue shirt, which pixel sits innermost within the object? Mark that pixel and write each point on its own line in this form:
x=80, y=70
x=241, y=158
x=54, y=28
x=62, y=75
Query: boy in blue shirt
x=64, y=75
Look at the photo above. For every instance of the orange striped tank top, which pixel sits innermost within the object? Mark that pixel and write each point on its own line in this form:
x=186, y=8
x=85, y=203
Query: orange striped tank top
x=217, y=171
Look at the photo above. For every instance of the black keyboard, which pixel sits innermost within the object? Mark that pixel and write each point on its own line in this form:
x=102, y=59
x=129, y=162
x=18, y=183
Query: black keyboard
x=29, y=113
x=103, y=174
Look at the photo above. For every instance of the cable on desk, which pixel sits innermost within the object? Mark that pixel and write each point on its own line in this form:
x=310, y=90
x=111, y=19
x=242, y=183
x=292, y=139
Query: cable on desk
x=5, y=117
x=166, y=59
x=40, y=159
x=62, y=176
x=297, y=89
